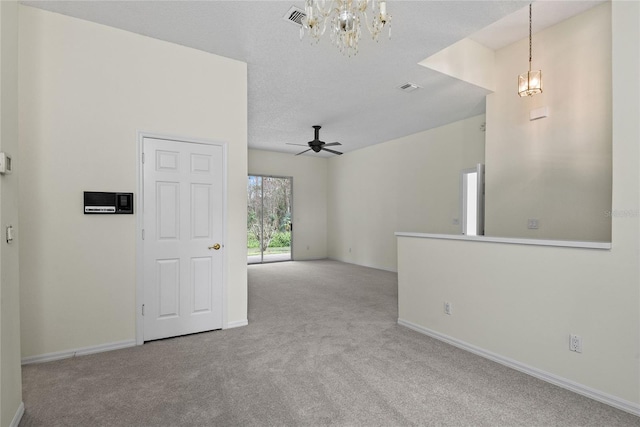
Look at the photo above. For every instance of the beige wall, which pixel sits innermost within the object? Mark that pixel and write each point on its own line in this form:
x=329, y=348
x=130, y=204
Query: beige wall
x=409, y=184
x=85, y=92
x=10, y=371
x=309, y=197
x=522, y=302
x=556, y=169
x=466, y=60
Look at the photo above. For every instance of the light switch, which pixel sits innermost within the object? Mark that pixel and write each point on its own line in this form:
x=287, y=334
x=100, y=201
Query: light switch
x=5, y=163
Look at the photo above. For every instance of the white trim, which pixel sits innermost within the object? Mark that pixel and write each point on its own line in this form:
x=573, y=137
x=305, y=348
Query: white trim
x=390, y=270
x=48, y=357
x=140, y=223
x=139, y=241
x=225, y=226
x=236, y=324
x=509, y=240
x=18, y=416
x=616, y=402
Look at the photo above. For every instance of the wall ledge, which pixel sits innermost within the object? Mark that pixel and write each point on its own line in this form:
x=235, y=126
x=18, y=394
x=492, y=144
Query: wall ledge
x=509, y=240
x=616, y=402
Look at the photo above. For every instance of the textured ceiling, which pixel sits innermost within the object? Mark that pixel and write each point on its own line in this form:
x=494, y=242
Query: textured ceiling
x=294, y=84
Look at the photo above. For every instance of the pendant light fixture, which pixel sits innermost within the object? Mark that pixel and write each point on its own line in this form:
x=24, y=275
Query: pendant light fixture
x=530, y=83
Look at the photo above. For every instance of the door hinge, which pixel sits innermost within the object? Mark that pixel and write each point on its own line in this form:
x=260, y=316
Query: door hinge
x=143, y=234
x=143, y=309
x=142, y=158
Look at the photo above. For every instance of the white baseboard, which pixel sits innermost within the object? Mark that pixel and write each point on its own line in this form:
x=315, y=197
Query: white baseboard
x=48, y=357
x=390, y=270
x=573, y=386
x=18, y=416
x=237, y=324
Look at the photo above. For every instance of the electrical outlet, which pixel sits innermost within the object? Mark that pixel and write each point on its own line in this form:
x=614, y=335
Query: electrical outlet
x=533, y=224
x=575, y=343
x=448, y=308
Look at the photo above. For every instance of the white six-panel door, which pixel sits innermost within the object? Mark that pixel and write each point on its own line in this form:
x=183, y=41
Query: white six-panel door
x=183, y=231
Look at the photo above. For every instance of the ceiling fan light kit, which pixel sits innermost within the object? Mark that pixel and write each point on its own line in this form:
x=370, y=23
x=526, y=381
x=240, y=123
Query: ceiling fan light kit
x=316, y=145
x=345, y=17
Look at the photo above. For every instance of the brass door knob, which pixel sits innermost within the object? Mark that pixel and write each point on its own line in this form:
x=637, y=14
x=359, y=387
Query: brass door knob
x=216, y=246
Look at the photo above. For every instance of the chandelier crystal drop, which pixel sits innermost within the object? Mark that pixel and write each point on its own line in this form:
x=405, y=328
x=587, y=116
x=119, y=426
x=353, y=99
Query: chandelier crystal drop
x=345, y=18
x=530, y=83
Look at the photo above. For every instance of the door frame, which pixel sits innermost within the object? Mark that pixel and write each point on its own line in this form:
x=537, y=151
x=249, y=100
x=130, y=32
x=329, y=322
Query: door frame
x=139, y=205
x=479, y=170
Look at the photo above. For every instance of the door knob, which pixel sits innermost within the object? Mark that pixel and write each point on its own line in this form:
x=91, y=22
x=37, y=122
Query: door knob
x=216, y=246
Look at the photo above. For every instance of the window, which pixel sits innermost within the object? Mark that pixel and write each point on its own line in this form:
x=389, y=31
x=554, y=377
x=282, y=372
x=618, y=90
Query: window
x=269, y=219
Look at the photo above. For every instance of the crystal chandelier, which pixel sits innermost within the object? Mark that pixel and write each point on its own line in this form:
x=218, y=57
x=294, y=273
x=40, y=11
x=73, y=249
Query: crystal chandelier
x=530, y=83
x=345, y=17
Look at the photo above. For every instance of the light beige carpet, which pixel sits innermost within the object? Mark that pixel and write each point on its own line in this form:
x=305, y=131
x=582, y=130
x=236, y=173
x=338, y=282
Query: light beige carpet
x=322, y=348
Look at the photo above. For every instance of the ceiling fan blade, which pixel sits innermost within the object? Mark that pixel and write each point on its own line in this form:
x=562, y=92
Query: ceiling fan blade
x=316, y=145
x=331, y=151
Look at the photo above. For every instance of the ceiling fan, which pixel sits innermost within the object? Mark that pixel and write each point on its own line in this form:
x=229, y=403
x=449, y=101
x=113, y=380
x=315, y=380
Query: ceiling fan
x=316, y=145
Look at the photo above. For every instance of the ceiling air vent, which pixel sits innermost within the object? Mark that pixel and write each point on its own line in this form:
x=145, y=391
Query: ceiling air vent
x=409, y=87
x=294, y=15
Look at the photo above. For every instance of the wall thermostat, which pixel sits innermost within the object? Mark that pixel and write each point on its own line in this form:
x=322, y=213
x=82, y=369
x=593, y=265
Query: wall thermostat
x=5, y=163
x=98, y=202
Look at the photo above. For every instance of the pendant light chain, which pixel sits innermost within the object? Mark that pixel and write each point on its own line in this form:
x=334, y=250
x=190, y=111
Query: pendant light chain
x=529, y=36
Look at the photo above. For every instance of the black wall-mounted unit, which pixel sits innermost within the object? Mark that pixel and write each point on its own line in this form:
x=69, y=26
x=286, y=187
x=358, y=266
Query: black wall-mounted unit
x=98, y=202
